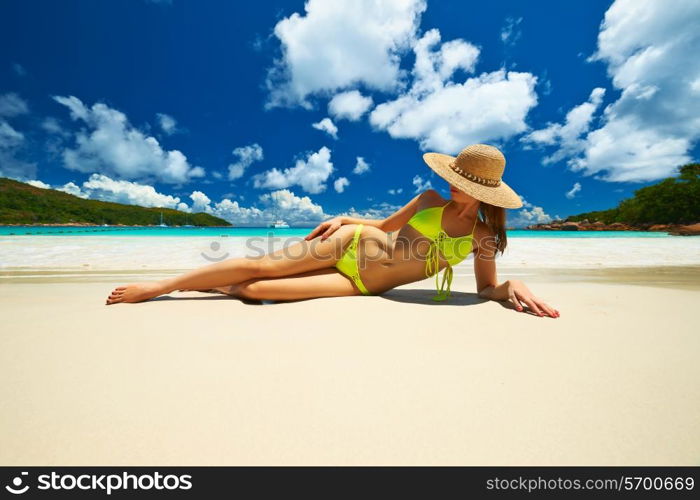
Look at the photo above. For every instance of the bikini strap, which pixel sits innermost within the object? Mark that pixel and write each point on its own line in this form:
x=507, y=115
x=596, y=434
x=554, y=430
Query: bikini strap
x=432, y=266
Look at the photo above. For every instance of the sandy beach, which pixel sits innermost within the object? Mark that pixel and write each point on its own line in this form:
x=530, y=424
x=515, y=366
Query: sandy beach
x=200, y=379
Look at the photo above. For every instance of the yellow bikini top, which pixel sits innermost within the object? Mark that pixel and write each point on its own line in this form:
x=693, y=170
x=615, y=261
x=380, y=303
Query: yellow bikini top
x=428, y=222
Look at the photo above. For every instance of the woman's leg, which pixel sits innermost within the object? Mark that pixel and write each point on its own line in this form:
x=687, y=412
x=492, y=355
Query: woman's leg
x=322, y=283
x=298, y=258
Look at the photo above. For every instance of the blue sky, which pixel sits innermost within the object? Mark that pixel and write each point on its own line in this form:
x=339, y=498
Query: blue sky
x=257, y=110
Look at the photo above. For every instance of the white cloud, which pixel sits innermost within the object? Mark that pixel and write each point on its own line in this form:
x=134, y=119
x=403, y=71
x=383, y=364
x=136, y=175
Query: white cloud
x=290, y=206
x=311, y=174
x=446, y=116
x=101, y=187
x=420, y=184
x=395, y=191
x=572, y=192
x=544, y=83
x=377, y=211
x=534, y=215
x=9, y=137
x=340, y=184
x=12, y=104
x=529, y=214
x=114, y=148
x=246, y=156
x=281, y=204
x=19, y=69
x=11, y=143
x=53, y=126
x=568, y=137
x=349, y=105
x=234, y=213
x=327, y=126
x=361, y=166
x=651, y=55
x=72, y=188
x=335, y=45
x=39, y=184
x=510, y=32
x=167, y=123
x=200, y=201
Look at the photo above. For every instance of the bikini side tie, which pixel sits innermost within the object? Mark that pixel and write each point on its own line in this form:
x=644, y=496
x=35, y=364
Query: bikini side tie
x=432, y=265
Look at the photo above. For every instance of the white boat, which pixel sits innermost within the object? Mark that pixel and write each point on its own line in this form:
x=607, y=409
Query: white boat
x=279, y=223
x=186, y=224
x=161, y=221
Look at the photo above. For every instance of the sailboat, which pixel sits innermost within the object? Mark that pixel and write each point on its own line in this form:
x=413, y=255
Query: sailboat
x=161, y=221
x=186, y=224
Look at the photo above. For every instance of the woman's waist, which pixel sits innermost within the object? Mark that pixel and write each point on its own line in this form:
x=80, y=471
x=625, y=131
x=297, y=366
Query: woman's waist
x=422, y=248
x=400, y=263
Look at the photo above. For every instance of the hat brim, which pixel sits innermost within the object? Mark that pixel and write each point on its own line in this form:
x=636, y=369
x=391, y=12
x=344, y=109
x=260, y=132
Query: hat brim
x=500, y=196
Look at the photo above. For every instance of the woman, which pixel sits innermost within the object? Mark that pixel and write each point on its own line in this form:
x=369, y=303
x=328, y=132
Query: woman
x=348, y=256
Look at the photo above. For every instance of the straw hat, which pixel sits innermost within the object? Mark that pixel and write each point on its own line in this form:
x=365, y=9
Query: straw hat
x=477, y=171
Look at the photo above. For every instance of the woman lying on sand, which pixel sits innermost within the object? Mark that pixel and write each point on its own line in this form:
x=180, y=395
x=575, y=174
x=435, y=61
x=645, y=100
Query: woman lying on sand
x=349, y=256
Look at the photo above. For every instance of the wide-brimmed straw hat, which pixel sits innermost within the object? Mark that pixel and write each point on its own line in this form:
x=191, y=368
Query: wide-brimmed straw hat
x=476, y=170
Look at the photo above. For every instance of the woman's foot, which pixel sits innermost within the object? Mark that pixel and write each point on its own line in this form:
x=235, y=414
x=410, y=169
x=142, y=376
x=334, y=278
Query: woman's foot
x=136, y=292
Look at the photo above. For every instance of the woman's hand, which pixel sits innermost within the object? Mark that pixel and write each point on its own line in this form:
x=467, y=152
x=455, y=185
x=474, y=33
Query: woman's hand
x=518, y=293
x=325, y=229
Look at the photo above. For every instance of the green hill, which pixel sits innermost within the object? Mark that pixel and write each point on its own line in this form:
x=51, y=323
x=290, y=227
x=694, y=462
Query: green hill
x=22, y=203
x=675, y=200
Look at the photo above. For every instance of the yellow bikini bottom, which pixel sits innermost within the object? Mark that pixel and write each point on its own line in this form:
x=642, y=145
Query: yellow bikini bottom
x=348, y=263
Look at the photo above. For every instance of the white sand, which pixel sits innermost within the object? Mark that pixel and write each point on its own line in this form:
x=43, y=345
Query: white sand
x=209, y=380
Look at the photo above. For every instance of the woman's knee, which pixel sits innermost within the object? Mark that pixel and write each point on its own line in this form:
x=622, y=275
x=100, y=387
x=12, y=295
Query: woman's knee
x=259, y=267
x=250, y=289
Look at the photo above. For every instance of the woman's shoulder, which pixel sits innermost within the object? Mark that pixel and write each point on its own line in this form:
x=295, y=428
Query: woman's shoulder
x=431, y=197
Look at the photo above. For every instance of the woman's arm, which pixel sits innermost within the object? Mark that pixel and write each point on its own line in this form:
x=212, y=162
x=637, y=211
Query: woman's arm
x=487, y=285
x=393, y=222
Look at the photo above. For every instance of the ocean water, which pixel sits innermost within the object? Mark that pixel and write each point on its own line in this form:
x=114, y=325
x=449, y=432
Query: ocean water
x=246, y=232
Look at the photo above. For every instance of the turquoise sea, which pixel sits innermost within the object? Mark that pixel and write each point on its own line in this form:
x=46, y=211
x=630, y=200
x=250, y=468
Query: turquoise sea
x=245, y=232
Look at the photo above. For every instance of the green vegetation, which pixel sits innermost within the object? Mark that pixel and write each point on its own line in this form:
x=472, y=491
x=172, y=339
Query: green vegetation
x=22, y=203
x=675, y=200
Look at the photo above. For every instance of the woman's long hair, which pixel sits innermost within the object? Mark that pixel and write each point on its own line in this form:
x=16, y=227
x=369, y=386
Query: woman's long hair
x=495, y=218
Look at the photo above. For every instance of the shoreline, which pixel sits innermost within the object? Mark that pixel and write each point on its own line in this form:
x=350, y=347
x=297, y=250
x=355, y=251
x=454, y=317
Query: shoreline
x=671, y=229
